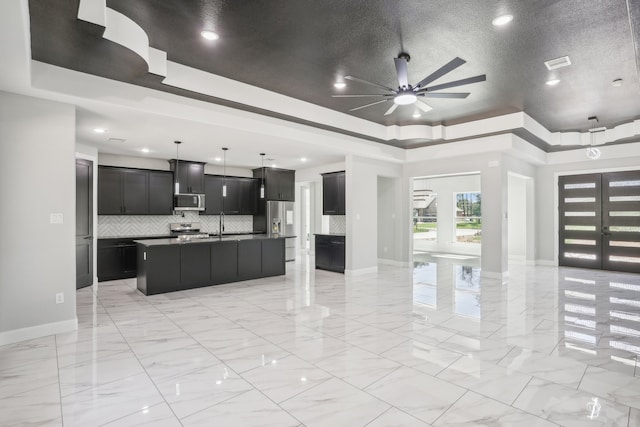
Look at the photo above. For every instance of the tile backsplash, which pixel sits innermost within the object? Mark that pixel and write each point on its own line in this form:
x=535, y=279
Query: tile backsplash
x=148, y=225
x=337, y=224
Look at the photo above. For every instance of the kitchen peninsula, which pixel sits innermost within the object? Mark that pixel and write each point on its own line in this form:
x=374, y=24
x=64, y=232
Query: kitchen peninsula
x=167, y=265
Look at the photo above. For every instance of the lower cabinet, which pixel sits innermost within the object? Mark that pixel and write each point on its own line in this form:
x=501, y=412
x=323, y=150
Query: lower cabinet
x=330, y=252
x=116, y=259
x=172, y=266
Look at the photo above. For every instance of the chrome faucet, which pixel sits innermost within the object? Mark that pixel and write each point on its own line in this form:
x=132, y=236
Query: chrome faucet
x=221, y=224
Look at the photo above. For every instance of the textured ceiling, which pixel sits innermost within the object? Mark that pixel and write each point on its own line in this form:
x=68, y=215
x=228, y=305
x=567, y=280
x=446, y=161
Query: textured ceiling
x=299, y=47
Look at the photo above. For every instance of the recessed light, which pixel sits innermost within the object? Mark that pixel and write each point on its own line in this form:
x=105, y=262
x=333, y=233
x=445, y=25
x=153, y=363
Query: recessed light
x=209, y=35
x=145, y=150
x=502, y=20
x=218, y=159
x=273, y=165
x=416, y=115
x=552, y=82
x=616, y=83
x=339, y=85
x=99, y=130
x=303, y=159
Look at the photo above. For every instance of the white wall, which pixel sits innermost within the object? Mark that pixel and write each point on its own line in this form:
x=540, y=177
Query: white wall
x=163, y=164
x=389, y=226
x=517, y=216
x=37, y=178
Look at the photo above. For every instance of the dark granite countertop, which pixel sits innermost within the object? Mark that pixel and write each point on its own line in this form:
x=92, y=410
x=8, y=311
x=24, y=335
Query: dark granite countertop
x=213, y=239
x=330, y=234
x=169, y=236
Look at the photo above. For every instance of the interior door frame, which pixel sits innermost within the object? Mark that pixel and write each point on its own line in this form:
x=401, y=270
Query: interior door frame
x=556, y=202
x=94, y=160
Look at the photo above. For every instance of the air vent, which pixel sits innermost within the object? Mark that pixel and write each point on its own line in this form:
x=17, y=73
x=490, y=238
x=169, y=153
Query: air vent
x=115, y=140
x=554, y=64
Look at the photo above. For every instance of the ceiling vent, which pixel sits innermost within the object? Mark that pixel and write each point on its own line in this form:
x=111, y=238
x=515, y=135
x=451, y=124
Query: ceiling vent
x=114, y=140
x=554, y=64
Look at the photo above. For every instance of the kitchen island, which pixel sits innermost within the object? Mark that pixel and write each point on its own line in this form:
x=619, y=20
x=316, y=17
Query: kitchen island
x=167, y=265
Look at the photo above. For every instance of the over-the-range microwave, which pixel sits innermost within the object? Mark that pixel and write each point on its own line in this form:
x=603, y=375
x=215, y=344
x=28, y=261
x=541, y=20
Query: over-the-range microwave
x=188, y=202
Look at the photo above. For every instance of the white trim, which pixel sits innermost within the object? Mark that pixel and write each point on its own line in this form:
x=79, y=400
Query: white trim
x=517, y=258
x=94, y=169
x=32, y=332
x=361, y=271
x=548, y=262
x=394, y=262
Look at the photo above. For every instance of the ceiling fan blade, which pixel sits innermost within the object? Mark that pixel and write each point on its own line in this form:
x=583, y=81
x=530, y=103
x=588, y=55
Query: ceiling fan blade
x=391, y=110
x=361, y=95
x=456, y=83
x=447, y=68
x=444, y=95
x=401, y=69
x=357, y=79
x=424, y=107
x=368, y=105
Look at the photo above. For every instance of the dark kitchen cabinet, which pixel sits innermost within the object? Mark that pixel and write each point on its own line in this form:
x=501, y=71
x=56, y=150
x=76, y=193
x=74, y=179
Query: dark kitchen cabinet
x=158, y=269
x=330, y=252
x=273, y=257
x=242, y=195
x=333, y=198
x=190, y=175
x=122, y=191
x=160, y=193
x=224, y=262
x=249, y=259
x=116, y=259
x=195, y=264
x=279, y=184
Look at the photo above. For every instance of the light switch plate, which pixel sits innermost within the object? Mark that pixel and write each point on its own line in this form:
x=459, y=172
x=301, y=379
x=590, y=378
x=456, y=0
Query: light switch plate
x=59, y=298
x=56, y=218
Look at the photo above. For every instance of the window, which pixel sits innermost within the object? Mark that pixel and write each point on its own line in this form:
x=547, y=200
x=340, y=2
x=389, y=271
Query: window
x=468, y=217
x=425, y=215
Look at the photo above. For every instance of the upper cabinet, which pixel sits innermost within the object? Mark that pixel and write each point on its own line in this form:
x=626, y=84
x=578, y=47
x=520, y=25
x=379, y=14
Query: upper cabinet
x=333, y=199
x=279, y=184
x=242, y=195
x=122, y=191
x=190, y=176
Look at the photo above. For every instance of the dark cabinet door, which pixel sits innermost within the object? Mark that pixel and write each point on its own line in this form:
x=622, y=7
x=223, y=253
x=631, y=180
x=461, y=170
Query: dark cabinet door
x=271, y=184
x=279, y=183
x=195, y=264
x=249, y=189
x=128, y=260
x=287, y=185
x=162, y=268
x=109, y=191
x=109, y=263
x=135, y=186
x=196, y=178
x=330, y=253
x=213, y=195
x=333, y=199
x=323, y=252
x=273, y=258
x=224, y=262
x=231, y=203
x=337, y=253
x=160, y=193
x=249, y=259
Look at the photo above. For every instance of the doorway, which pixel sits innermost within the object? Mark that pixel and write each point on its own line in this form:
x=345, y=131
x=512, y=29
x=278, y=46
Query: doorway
x=84, y=223
x=600, y=221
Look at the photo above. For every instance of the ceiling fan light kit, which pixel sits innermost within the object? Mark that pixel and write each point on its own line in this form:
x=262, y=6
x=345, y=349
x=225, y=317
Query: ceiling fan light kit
x=407, y=94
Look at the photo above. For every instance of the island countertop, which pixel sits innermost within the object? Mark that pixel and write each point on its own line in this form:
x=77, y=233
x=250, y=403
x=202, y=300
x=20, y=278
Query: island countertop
x=212, y=239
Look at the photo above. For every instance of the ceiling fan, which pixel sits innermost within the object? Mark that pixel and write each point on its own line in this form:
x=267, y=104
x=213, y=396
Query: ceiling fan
x=407, y=94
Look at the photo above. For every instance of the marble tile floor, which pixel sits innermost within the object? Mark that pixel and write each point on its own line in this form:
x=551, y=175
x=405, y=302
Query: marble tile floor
x=431, y=345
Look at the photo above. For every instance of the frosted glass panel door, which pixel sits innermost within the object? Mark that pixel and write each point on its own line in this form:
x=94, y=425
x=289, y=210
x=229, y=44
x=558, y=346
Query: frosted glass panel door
x=600, y=221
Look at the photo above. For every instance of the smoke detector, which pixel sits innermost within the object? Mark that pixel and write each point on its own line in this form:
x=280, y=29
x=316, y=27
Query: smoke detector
x=554, y=64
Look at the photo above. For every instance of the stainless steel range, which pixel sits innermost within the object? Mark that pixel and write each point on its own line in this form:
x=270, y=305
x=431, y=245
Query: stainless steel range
x=187, y=230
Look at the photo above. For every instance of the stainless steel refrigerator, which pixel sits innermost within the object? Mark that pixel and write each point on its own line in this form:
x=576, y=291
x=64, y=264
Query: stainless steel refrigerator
x=280, y=220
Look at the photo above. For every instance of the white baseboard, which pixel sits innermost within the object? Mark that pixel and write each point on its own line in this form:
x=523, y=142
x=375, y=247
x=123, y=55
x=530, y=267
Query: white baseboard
x=503, y=277
x=32, y=332
x=517, y=258
x=393, y=262
x=546, y=262
x=361, y=271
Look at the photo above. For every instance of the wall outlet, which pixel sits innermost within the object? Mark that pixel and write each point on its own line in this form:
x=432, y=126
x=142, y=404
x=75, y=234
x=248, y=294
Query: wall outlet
x=59, y=298
x=56, y=218
x=385, y=249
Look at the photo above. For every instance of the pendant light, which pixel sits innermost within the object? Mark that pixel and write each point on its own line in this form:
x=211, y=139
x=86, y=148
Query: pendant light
x=224, y=171
x=592, y=152
x=177, y=183
x=262, y=182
